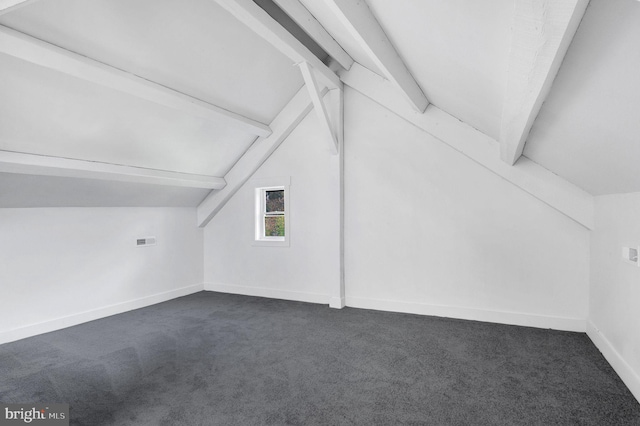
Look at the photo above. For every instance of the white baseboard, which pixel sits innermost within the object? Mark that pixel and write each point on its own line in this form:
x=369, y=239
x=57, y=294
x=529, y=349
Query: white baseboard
x=268, y=292
x=500, y=317
x=94, y=314
x=630, y=377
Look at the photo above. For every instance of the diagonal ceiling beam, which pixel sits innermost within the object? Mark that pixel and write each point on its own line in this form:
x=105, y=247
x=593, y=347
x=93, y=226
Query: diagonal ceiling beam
x=541, y=33
x=358, y=19
x=539, y=182
x=316, y=31
x=7, y=6
x=315, y=92
x=30, y=164
x=287, y=120
x=38, y=52
x=252, y=15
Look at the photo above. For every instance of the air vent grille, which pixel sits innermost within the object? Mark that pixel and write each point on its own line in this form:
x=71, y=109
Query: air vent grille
x=148, y=241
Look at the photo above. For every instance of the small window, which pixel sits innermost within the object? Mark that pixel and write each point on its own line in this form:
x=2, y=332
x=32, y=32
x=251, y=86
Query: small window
x=271, y=221
x=273, y=213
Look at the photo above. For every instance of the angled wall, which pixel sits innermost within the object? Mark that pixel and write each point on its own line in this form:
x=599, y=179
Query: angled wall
x=65, y=266
x=614, y=309
x=429, y=231
x=426, y=230
x=309, y=268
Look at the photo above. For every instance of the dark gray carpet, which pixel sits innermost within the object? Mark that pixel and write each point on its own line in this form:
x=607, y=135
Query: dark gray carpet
x=216, y=359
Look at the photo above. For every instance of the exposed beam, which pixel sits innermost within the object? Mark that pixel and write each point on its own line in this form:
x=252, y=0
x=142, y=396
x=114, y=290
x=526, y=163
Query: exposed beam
x=7, y=6
x=542, y=31
x=316, y=31
x=252, y=15
x=335, y=100
x=38, y=52
x=290, y=116
x=30, y=164
x=358, y=19
x=327, y=128
x=547, y=187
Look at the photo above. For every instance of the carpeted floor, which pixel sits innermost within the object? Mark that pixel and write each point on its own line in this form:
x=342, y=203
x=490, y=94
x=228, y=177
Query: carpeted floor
x=217, y=359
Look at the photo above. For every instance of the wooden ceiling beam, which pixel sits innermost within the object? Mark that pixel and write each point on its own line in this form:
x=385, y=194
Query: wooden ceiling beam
x=30, y=164
x=286, y=121
x=532, y=178
x=541, y=34
x=315, y=92
x=259, y=21
x=366, y=30
x=299, y=13
x=38, y=52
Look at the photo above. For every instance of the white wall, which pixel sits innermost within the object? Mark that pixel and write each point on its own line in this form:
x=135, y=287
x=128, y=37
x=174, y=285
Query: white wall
x=64, y=266
x=429, y=231
x=614, y=314
x=307, y=270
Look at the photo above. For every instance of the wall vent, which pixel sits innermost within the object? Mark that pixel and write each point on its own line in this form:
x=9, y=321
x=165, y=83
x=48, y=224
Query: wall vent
x=148, y=241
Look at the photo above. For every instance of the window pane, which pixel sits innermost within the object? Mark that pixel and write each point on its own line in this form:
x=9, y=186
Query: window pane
x=274, y=201
x=274, y=226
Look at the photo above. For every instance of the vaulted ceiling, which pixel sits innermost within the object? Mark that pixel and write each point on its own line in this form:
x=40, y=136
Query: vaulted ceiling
x=154, y=102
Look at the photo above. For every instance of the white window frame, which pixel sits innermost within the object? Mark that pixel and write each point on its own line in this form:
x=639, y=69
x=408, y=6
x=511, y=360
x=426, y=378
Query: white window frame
x=261, y=186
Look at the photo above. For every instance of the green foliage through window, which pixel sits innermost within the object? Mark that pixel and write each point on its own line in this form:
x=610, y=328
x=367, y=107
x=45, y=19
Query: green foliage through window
x=274, y=226
x=274, y=213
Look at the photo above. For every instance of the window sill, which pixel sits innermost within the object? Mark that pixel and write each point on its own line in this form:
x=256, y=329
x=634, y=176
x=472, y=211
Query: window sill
x=270, y=243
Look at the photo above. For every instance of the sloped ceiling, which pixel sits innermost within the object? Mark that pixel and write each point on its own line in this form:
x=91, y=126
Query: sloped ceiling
x=191, y=47
x=194, y=47
x=50, y=113
x=457, y=51
x=23, y=191
x=588, y=130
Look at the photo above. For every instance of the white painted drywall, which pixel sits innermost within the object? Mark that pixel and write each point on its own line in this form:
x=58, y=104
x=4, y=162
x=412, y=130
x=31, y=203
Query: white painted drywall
x=309, y=269
x=614, y=314
x=49, y=113
x=587, y=129
x=63, y=266
x=191, y=48
x=456, y=50
x=428, y=230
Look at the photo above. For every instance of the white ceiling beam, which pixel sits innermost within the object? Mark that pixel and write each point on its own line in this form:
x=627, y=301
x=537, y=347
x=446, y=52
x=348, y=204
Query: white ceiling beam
x=542, y=31
x=358, y=19
x=316, y=31
x=532, y=178
x=46, y=55
x=287, y=120
x=315, y=92
x=336, y=289
x=252, y=15
x=335, y=101
x=7, y=6
x=30, y=164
